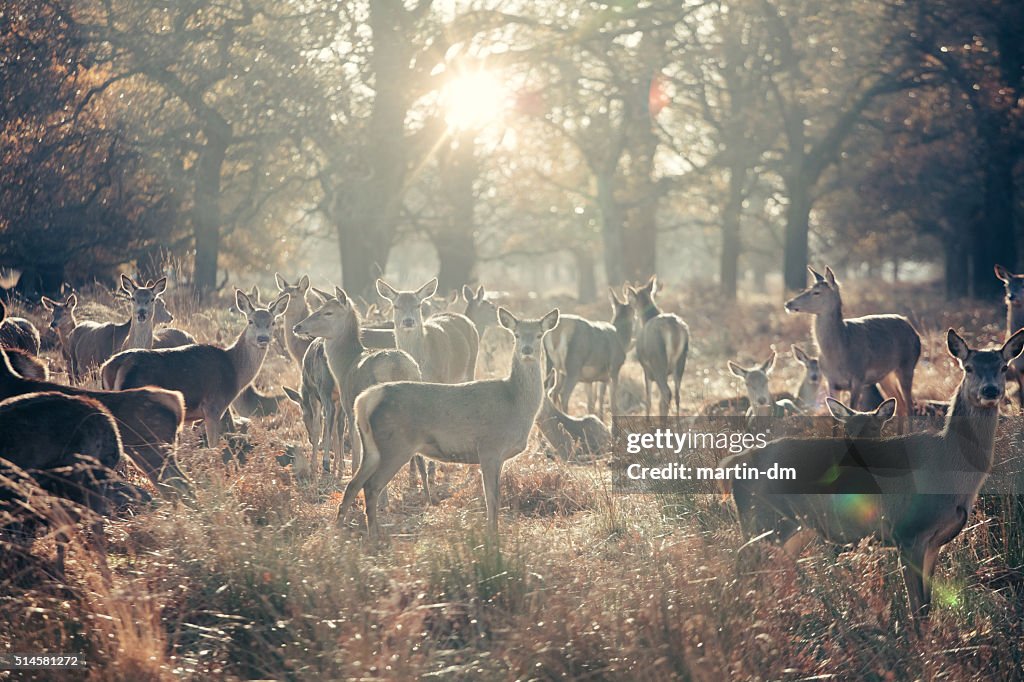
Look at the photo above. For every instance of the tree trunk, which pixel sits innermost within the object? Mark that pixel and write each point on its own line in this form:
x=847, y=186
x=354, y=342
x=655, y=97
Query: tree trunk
x=456, y=247
x=956, y=266
x=729, y=266
x=797, y=226
x=611, y=228
x=206, y=214
x=995, y=239
x=456, y=256
x=586, y=282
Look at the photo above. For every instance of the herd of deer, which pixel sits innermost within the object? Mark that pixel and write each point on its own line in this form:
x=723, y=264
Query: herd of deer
x=409, y=390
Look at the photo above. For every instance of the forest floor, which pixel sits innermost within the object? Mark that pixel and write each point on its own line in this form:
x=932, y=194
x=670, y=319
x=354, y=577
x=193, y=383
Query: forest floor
x=255, y=582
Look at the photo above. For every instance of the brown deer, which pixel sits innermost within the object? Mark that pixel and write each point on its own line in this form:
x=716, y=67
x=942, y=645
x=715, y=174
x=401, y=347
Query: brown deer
x=582, y=350
x=915, y=491
x=567, y=434
x=209, y=377
x=862, y=424
x=149, y=420
x=67, y=446
x=662, y=343
x=1014, y=320
x=859, y=351
x=482, y=422
x=298, y=310
x=18, y=333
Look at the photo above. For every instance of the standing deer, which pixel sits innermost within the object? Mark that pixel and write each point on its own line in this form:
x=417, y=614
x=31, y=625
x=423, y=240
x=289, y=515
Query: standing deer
x=354, y=367
x=18, y=333
x=209, y=377
x=445, y=345
x=862, y=424
x=483, y=313
x=298, y=310
x=662, y=343
x=67, y=446
x=1014, y=320
x=482, y=422
x=915, y=492
x=859, y=351
x=320, y=401
x=581, y=350
x=149, y=420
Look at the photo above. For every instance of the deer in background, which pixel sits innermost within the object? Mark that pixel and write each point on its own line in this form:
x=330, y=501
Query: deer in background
x=298, y=310
x=568, y=434
x=354, y=367
x=810, y=381
x=482, y=422
x=1014, y=320
x=581, y=350
x=662, y=343
x=859, y=351
x=65, y=445
x=320, y=401
x=209, y=377
x=445, y=345
x=916, y=492
x=149, y=420
x=862, y=424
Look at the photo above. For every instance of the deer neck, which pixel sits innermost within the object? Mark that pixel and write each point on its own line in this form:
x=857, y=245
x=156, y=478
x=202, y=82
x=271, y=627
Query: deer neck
x=808, y=390
x=140, y=334
x=121, y=332
x=412, y=341
x=830, y=329
x=247, y=358
x=1014, y=317
x=345, y=349
x=526, y=384
x=651, y=310
x=971, y=430
x=623, y=329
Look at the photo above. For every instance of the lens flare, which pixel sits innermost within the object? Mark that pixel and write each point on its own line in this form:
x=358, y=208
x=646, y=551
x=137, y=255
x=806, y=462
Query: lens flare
x=474, y=100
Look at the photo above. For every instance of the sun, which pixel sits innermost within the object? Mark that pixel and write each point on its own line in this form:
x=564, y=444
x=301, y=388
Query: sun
x=474, y=100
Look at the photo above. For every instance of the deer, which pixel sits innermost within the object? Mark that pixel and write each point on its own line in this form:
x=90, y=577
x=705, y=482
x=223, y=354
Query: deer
x=445, y=345
x=568, y=434
x=662, y=344
x=485, y=422
x=582, y=350
x=1014, y=320
x=354, y=367
x=859, y=351
x=482, y=312
x=298, y=310
x=761, y=405
x=18, y=333
x=148, y=419
x=862, y=424
x=209, y=377
x=320, y=407
x=27, y=365
x=915, y=491
x=89, y=344
x=810, y=381
x=65, y=445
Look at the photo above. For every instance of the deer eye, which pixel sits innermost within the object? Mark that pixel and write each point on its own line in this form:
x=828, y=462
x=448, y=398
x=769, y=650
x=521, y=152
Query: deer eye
x=1004, y=368
x=969, y=370
x=817, y=293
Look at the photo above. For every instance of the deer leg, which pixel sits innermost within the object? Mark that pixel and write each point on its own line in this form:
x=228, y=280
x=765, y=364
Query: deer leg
x=569, y=381
x=371, y=493
x=613, y=389
x=211, y=423
x=647, y=394
x=490, y=470
x=913, y=560
x=665, y=396
x=329, y=416
x=421, y=464
x=590, y=398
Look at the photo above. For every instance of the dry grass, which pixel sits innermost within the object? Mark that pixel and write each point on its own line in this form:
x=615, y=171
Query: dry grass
x=254, y=583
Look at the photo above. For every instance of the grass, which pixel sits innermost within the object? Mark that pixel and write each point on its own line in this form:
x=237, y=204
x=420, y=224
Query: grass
x=254, y=582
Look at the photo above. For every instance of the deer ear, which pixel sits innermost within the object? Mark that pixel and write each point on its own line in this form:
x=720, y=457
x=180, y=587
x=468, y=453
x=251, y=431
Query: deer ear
x=1002, y=273
x=279, y=306
x=507, y=319
x=304, y=283
x=72, y=301
x=160, y=286
x=830, y=276
x=292, y=395
x=480, y=293
x=737, y=370
x=769, y=364
x=799, y=353
x=127, y=285
x=386, y=290
x=958, y=347
x=427, y=290
x=886, y=410
x=549, y=321
x=838, y=410
x=817, y=275
x=467, y=293
x=47, y=303
x=1013, y=346
x=242, y=302
x=340, y=294
x=281, y=281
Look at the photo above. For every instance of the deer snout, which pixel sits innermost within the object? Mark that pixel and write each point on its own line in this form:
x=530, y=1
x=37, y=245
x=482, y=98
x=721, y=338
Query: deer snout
x=142, y=315
x=263, y=340
x=762, y=401
x=527, y=351
x=990, y=392
x=54, y=326
x=791, y=307
x=408, y=323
